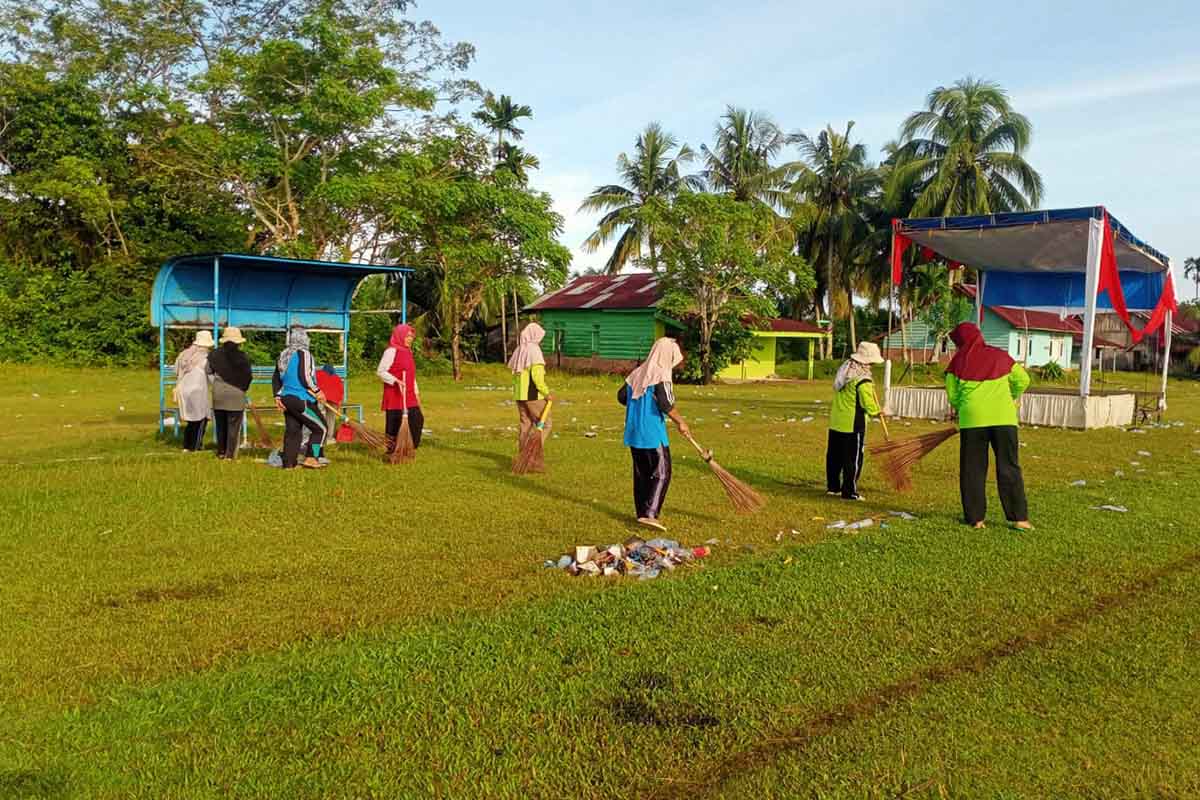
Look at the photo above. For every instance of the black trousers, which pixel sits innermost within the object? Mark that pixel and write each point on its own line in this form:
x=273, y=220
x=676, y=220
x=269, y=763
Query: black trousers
x=973, y=469
x=193, y=435
x=229, y=431
x=651, y=478
x=298, y=415
x=416, y=422
x=844, y=463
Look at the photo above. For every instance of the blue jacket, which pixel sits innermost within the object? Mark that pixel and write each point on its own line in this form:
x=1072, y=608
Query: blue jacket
x=646, y=416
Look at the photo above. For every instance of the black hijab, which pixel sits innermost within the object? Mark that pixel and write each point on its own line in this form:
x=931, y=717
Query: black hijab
x=230, y=363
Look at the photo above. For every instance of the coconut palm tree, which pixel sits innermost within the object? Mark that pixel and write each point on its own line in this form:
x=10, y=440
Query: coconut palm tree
x=655, y=170
x=742, y=159
x=1191, y=269
x=839, y=182
x=518, y=161
x=500, y=115
x=966, y=151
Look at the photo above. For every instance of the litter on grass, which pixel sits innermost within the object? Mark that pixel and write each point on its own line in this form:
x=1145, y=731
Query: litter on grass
x=1144, y=452
x=1118, y=509
x=635, y=558
x=1079, y=483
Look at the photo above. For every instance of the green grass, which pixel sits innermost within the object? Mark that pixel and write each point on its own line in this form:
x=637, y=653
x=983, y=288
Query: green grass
x=177, y=627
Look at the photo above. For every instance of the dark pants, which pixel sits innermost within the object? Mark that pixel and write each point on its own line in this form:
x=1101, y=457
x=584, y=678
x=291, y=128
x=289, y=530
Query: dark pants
x=973, y=470
x=298, y=415
x=651, y=477
x=229, y=432
x=843, y=463
x=193, y=435
x=416, y=422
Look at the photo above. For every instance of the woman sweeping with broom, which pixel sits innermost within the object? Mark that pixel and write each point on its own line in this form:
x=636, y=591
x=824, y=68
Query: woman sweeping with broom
x=854, y=401
x=649, y=400
x=984, y=386
x=401, y=397
x=530, y=391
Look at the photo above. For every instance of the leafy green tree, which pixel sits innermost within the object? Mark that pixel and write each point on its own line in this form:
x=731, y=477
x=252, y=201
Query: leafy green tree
x=965, y=153
x=742, y=159
x=1191, y=269
x=655, y=171
x=470, y=228
x=719, y=259
x=499, y=115
x=840, y=183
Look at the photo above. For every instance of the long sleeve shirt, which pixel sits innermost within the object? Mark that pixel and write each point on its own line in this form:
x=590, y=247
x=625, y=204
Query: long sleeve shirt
x=986, y=404
x=530, y=384
x=852, y=406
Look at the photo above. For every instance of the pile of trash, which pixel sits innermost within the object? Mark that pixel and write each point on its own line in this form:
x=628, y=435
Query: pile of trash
x=636, y=557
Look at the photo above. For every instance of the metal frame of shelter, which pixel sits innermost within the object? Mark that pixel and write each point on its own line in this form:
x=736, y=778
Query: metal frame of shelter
x=1051, y=260
x=257, y=293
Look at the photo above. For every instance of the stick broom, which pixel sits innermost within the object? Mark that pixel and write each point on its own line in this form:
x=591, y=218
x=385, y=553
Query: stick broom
x=531, y=456
x=745, y=500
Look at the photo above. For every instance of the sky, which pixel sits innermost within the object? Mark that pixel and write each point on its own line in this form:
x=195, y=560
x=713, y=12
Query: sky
x=1112, y=88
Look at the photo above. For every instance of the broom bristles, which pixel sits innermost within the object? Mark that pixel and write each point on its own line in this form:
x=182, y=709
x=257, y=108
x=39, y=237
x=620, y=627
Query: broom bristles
x=531, y=456
x=372, y=439
x=403, y=449
x=264, y=438
x=899, y=456
x=745, y=500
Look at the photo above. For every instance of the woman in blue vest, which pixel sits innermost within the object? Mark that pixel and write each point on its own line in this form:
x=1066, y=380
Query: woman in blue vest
x=649, y=400
x=298, y=397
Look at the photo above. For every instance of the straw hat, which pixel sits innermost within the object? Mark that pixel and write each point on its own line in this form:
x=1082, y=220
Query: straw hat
x=203, y=339
x=232, y=334
x=867, y=353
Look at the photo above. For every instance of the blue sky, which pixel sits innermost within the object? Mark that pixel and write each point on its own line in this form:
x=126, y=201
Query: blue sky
x=1112, y=88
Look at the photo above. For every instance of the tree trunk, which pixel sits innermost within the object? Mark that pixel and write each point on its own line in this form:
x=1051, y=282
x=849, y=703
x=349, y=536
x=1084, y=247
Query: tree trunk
x=503, y=325
x=853, y=332
x=455, y=342
x=705, y=352
x=516, y=314
x=829, y=275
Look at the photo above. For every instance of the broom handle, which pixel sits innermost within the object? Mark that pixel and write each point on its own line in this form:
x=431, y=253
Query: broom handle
x=705, y=454
x=545, y=414
x=887, y=437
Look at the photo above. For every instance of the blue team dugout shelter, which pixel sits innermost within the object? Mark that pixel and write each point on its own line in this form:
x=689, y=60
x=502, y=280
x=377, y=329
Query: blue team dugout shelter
x=257, y=293
x=1070, y=261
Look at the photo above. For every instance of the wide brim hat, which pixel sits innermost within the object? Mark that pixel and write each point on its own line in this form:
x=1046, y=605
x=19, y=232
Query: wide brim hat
x=232, y=334
x=203, y=339
x=867, y=353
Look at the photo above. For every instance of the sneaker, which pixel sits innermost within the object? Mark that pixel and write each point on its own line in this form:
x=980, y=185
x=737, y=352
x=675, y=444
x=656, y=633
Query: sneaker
x=832, y=493
x=857, y=497
x=650, y=522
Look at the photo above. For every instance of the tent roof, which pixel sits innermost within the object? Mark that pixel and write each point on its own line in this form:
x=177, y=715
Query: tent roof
x=1034, y=241
x=630, y=291
x=257, y=292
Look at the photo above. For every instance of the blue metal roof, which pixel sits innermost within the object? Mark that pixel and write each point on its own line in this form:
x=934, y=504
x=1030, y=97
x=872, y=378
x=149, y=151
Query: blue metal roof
x=1135, y=249
x=257, y=292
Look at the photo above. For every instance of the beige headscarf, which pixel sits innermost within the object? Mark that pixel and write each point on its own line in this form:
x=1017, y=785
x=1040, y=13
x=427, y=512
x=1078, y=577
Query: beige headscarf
x=664, y=357
x=529, y=349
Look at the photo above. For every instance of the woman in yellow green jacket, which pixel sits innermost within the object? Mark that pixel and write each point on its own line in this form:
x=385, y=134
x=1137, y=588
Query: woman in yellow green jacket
x=853, y=402
x=529, y=379
x=984, y=386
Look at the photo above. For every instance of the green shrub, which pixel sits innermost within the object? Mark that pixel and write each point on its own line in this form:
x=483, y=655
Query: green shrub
x=1051, y=371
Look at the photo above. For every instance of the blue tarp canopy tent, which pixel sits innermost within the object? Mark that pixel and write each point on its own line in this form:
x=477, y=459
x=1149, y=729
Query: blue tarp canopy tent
x=1046, y=260
x=263, y=293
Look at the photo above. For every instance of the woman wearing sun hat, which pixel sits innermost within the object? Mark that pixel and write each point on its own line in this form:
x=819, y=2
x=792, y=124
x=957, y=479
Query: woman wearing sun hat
x=231, y=375
x=191, y=389
x=854, y=402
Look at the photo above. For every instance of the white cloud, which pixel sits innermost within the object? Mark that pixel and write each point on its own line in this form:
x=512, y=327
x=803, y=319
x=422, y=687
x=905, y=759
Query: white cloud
x=1163, y=78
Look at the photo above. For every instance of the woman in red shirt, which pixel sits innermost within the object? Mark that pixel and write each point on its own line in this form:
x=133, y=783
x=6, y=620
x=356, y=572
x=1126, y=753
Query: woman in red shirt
x=398, y=372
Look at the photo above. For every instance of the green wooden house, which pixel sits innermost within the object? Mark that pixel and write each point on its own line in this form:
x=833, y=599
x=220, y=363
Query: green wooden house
x=602, y=322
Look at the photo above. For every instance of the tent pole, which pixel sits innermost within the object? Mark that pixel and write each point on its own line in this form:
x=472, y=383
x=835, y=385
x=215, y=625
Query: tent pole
x=979, y=286
x=1162, y=395
x=404, y=298
x=1091, y=283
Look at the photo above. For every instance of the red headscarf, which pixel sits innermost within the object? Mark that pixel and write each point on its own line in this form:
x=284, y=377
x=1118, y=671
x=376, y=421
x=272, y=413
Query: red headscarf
x=976, y=360
x=399, y=334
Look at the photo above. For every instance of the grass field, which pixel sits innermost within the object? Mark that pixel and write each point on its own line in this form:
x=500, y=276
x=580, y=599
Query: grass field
x=172, y=626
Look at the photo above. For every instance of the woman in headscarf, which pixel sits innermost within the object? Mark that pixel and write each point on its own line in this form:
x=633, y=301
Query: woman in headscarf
x=649, y=400
x=191, y=390
x=854, y=402
x=298, y=397
x=231, y=375
x=401, y=396
x=530, y=391
x=984, y=386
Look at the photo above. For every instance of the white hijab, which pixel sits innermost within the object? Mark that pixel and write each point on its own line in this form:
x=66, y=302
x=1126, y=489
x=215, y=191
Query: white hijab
x=664, y=356
x=529, y=349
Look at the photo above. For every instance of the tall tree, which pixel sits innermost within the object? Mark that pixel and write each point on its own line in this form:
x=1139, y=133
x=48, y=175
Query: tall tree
x=720, y=258
x=838, y=180
x=499, y=115
x=654, y=171
x=966, y=151
x=742, y=159
x=1191, y=269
